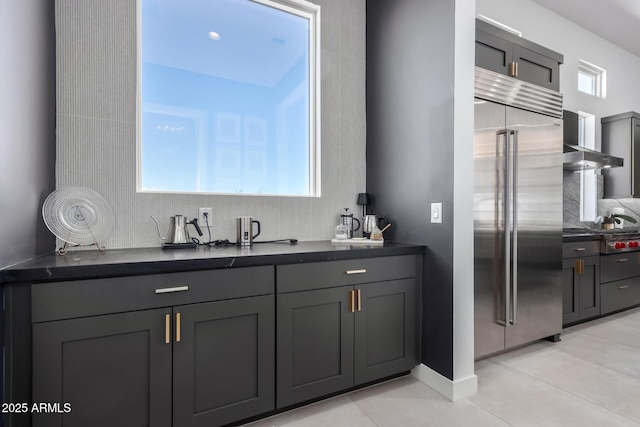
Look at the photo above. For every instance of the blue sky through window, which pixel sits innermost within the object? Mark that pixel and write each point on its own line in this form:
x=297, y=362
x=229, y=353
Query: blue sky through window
x=227, y=112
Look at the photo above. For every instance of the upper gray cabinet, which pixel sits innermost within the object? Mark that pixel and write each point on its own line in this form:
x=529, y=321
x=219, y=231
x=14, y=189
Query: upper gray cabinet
x=621, y=138
x=506, y=53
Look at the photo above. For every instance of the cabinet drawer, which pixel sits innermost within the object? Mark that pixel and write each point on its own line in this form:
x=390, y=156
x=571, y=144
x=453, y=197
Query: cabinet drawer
x=580, y=249
x=619, y=266
x=318, y=275
x=619, y=295
x=79, y=298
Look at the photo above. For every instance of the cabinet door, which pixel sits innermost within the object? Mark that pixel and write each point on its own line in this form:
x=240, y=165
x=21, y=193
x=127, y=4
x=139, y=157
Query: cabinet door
x=314, y=344
x=114, y=370
x=570, y=291
x=589, y=300
x=536, y=68
x=223, y=361
x=385, y=330
x=492, y=53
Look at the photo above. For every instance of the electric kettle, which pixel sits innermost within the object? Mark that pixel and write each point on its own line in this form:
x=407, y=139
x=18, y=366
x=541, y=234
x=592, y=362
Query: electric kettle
x=177, y=235
x=244, y=230
x=370, y=224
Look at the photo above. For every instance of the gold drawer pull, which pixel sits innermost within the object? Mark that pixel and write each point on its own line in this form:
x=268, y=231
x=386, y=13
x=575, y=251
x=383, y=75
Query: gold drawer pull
x=580, y=249
x=174, y=289
x=364, y=270
x=623, y=287
x=623, y=260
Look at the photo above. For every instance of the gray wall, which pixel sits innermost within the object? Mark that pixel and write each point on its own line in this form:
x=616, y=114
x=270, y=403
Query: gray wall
x=27, y=120
x=410, y=147
x=96, y=147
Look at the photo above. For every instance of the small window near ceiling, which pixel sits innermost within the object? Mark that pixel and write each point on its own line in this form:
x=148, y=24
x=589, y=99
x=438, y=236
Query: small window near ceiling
x=228, y=97
x=592, y=79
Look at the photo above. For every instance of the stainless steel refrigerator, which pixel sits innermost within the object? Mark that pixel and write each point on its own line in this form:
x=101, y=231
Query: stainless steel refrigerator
x=517, y=213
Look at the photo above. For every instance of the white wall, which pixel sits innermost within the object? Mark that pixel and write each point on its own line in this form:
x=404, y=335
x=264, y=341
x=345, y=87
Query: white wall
x=563, y=36
x=27, y=120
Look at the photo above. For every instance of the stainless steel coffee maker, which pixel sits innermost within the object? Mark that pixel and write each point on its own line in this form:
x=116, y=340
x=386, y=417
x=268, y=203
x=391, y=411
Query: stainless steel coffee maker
x=347, y=219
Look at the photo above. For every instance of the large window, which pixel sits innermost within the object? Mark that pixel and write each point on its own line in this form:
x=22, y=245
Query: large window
x=228, y=97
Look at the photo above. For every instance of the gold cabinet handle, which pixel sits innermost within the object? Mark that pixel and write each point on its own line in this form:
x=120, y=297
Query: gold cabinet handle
x=364, y=270
x=580, y=249
x=513, y=69
x=167, y=328
x=177, y=327
x=578, y=266
x=358, y=301
x=352, y=301
x=623, y=287
x=622, y=260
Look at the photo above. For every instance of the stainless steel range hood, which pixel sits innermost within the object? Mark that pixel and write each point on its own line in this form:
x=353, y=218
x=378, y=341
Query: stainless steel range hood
x=576, y=158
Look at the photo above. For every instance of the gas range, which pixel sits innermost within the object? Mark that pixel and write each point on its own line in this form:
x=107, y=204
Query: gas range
x=621, y=240
x=612, y=241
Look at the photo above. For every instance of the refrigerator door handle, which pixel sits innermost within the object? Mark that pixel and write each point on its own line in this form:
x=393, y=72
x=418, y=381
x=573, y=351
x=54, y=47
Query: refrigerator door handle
x=503, y=136
x=514, y=241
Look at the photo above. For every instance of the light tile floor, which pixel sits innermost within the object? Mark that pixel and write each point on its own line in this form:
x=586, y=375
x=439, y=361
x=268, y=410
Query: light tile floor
x=590, y=378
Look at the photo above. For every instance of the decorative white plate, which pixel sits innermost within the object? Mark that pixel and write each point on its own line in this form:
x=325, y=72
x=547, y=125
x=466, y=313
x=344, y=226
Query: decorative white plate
x=78, y=215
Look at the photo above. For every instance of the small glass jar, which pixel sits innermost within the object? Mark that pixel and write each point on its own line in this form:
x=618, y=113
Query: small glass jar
x=342, y=231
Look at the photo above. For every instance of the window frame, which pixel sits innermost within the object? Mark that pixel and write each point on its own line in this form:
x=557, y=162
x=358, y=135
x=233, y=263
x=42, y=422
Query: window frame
x=588, y=178
x=598, y=76
x=302, y=8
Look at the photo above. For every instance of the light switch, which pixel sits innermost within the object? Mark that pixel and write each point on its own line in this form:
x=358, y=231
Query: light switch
x=436, y=212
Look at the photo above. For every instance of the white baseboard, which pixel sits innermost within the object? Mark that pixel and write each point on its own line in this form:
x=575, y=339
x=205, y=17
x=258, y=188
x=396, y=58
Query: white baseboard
x=452, y=390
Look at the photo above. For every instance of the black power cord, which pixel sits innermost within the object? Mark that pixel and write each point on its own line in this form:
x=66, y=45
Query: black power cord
x=226, y=242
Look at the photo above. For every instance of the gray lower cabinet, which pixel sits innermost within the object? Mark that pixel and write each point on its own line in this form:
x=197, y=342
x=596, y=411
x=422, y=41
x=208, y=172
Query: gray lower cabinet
x=315, y=344
x=580, y=281
x=113, y=370
x=620, y=281
x=581, y=289
x=223, y=365
x=334, y=338
x=194, y=364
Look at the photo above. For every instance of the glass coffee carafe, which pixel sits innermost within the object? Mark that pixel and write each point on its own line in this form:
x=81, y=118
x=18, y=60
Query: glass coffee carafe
x=348, y=220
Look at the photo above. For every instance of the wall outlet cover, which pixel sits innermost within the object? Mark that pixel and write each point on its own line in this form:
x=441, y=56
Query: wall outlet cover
x=202, y=221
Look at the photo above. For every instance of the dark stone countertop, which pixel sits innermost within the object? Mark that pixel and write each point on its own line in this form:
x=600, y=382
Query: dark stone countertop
x=87, y=264
x=580, y=237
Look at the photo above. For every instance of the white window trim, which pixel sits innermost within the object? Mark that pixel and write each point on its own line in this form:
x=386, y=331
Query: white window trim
x=599, y=76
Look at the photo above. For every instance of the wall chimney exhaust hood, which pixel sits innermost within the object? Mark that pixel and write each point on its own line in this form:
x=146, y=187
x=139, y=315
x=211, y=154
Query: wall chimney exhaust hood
x=576, y=158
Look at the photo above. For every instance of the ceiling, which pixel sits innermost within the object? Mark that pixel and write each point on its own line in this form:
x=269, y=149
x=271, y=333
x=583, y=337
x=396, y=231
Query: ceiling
x=617, y=21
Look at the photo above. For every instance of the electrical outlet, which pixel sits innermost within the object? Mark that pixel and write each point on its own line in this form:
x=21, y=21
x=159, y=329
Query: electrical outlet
x=436, y=213
x=204, y=217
